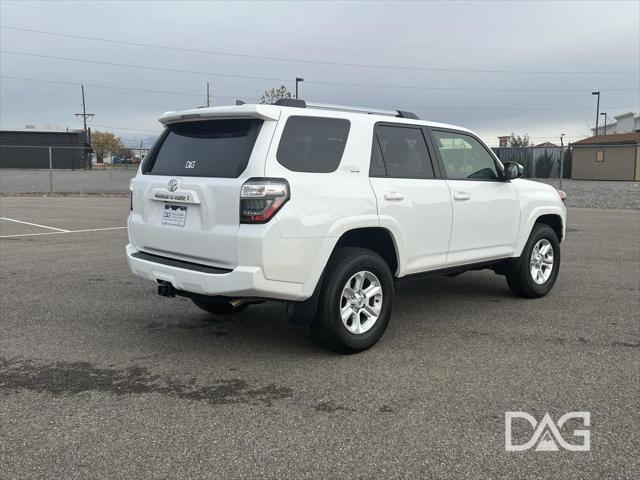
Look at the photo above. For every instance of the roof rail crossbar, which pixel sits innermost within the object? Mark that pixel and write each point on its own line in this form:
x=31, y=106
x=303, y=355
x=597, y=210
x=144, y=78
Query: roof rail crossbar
x=347, y=108
x=292, y=102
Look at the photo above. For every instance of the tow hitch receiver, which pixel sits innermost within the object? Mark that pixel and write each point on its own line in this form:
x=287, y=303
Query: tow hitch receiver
x=166, y=289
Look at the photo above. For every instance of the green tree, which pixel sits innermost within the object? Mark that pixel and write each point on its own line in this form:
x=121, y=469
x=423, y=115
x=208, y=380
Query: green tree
x=270, y=96
x=106, y=143
x=519, y=141
x=544, y=163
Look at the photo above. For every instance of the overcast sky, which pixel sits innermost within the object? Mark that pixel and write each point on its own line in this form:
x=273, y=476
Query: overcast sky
x=494, y=67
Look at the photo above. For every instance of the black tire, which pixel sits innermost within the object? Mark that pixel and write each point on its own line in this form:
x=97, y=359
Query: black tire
x=519, y=276
x=217, y=308
x=327, y=326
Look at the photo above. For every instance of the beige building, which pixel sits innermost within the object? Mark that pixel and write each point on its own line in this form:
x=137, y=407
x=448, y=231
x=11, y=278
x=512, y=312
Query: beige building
x=607, y=157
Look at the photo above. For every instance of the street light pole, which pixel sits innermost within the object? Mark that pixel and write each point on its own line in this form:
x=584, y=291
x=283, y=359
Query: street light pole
x=597, y=110
x=605, y=122
x=561, y=159
x=298, y=80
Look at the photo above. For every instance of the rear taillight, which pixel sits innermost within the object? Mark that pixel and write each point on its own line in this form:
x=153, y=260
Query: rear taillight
x=261, y=198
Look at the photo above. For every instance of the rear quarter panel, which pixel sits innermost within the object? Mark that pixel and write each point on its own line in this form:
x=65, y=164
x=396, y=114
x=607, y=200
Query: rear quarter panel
x=323, y=206
x=327, y=204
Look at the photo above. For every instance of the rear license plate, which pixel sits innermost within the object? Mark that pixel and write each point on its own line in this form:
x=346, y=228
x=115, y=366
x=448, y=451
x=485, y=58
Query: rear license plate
x=174, y=215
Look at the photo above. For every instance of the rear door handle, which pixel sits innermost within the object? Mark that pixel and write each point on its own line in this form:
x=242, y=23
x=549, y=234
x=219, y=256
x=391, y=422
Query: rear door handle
x=394, y=196
x=461, y=196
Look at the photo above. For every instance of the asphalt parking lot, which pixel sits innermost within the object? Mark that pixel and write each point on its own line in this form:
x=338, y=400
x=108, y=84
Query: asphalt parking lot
x=101, y=378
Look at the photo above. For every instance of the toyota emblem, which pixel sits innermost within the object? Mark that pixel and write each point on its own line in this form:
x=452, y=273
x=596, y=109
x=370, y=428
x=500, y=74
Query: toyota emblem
x=173, y=184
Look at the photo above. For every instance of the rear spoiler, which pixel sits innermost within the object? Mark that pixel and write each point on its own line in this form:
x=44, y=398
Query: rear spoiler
x=264, y=112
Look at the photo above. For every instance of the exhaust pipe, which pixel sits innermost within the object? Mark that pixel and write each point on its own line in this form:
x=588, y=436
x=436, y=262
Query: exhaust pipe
x=166, y=289
x=222, y=305
x=233, y=305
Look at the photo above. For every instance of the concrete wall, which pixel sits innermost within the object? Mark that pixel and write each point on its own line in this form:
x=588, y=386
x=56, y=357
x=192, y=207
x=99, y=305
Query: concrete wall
x=620, y=163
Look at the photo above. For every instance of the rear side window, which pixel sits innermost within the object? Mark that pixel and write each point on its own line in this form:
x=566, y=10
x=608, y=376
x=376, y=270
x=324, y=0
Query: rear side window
x=312, y=144
x=376, y=169
x=209, y=148
x=404, y=151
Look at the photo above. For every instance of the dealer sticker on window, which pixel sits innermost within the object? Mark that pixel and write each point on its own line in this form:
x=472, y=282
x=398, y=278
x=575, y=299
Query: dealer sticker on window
x=174, y=215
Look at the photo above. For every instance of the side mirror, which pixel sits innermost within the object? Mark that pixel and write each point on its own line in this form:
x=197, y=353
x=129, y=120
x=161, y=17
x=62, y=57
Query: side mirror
x=513, y=170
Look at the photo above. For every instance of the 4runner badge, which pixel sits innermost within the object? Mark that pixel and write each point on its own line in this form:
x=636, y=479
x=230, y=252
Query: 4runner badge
x=173, y=185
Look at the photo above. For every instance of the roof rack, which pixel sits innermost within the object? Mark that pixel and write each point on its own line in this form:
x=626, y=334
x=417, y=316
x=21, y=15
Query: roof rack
x=294, y=102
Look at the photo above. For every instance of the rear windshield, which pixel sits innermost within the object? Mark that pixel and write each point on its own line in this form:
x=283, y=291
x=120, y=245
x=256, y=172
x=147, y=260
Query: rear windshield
x=210, y=148
x=312, y=144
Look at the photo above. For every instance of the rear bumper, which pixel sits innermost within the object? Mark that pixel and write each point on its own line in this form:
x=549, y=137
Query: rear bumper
x=242, y=281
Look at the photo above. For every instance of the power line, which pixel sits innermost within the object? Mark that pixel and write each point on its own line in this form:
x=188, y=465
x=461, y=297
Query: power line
x=316, y=82
x=309, y=61
x=113, y=87
x=422, y=107
x=442, y=107
x=318, y=37
x=125, y=129
x=473, y=89
x=143, y=67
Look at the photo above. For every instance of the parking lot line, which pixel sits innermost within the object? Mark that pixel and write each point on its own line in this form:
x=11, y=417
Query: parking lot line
x=59, y=230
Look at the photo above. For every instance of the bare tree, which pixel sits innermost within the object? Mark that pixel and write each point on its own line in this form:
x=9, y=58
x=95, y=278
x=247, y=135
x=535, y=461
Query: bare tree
x=270, y=96
x=519, y=141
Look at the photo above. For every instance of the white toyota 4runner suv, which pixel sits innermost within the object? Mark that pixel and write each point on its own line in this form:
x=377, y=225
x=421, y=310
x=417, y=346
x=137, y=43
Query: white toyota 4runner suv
x=324, y=207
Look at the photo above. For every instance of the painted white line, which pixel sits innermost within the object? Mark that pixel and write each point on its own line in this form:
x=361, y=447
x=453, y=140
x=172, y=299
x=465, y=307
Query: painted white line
x=61, y=233
x=60, y=230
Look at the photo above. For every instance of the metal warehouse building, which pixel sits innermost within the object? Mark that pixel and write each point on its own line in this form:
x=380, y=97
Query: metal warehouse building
x=29, y=149
x=607, y=157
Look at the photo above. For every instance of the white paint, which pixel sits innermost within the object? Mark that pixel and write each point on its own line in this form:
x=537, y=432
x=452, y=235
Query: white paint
x=60, y=230
x=434, y=223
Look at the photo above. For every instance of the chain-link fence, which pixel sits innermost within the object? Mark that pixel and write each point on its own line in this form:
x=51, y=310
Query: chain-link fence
x=538, y=162
x=62, y=169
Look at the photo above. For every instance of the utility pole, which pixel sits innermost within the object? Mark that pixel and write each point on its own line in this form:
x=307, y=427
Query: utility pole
x=597, y=109
x=298, y=80
x=605, y=122
x=208, y=95
x=84, y=115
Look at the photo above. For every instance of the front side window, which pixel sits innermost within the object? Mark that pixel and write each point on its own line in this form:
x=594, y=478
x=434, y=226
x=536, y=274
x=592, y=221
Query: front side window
x=464, y=157
x=404, y=152
x=312, y=144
